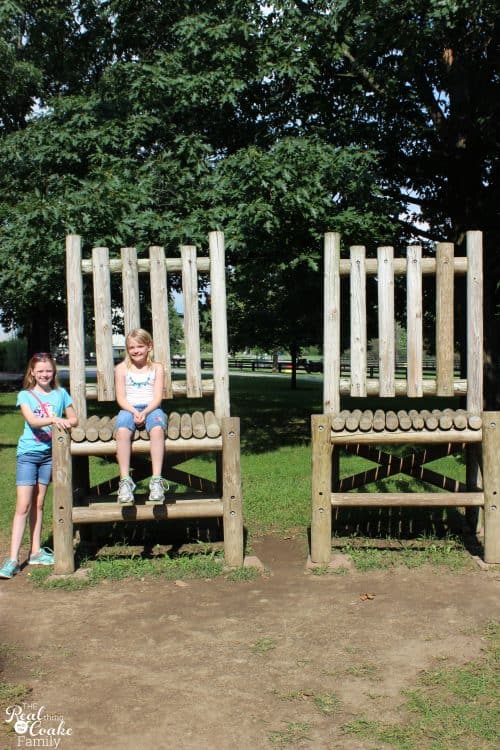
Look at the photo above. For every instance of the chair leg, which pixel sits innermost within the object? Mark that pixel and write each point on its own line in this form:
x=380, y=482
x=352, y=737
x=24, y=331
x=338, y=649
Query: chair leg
x=321, y=512
x=231, y=492
x=491, y=479
x=474, y=481
x=81, y=486
x=62, y=502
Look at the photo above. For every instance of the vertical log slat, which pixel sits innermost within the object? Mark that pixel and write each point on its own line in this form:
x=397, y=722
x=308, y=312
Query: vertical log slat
x=159, y=312
x=130, y=289
x=414, y=318
x=474, y=322
x=191, y=321
x=76, y=329
x=358, y=321
x=444, y=318
x=386, y=321
x=219, y=324
x=331, y=331
x=103, y=325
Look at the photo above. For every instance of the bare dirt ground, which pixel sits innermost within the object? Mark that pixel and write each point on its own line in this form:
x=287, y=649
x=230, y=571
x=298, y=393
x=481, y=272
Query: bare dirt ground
x=218, y=664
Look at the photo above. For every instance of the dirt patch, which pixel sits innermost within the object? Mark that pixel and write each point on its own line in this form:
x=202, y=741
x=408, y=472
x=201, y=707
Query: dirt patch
x=285, y=660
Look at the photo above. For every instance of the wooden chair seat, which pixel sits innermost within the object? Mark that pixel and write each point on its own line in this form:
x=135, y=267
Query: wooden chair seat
x=418, y=426
x=180, y=427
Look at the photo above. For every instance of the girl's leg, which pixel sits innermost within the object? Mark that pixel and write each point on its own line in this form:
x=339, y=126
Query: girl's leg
x=123, y=450
x=157, y=447
x=24, y=500
x=36, y=516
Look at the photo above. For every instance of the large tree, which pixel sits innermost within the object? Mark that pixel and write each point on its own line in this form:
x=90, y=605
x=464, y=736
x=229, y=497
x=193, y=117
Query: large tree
x=159, y=120
x=151, y=147
x=417, y=81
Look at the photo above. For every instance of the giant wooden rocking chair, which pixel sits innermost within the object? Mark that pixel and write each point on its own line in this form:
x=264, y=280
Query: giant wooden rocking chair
x=188, y=435
x=363, y=431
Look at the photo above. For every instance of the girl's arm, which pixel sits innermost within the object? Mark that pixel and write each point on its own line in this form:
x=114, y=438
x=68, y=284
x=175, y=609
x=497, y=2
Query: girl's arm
x=71, y=416
x=36, y=422
x=121, y=398
x=157, y=391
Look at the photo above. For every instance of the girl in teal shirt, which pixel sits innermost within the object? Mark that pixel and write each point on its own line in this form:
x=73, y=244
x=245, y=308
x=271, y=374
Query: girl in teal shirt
x=43, y=404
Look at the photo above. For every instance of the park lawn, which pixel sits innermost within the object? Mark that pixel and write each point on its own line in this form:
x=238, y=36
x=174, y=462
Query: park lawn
x=276, y=466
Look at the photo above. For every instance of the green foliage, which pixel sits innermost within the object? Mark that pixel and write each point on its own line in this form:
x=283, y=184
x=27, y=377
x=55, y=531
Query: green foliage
x=13, y=355
x=159, y=121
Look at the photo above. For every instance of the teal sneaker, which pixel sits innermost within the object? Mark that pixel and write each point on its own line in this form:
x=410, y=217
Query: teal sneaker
x=9, y=568
x=44, y=557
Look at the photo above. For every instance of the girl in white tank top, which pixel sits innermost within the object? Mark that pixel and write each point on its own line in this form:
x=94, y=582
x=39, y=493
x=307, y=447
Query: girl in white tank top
x=139, y=393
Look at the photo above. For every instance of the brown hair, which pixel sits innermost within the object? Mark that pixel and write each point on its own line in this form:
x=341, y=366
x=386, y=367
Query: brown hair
x=144, y=338
x=29, y=381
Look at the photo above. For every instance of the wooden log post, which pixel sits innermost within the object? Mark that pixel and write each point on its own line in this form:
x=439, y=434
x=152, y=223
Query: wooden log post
x=414, y=351
x=321, y=514
x=76, y=329
x=475, y=405
x=231, y=492
x=81, y=487
x=62, y=502
x=491, y=479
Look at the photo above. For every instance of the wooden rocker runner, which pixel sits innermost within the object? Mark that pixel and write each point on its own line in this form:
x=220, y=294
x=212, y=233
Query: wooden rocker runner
x=188, y=434
x=363, y=431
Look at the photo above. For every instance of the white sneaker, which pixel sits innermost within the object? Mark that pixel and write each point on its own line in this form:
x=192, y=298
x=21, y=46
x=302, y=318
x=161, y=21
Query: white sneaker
x=126, y=491
x=157, y=490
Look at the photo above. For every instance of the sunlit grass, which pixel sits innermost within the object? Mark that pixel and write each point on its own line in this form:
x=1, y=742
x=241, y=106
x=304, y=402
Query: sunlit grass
x=276, y=474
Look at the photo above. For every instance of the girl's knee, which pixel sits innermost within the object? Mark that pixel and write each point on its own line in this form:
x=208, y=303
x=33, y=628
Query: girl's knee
x=123, y=434
x=23, y=509
x=156, y=430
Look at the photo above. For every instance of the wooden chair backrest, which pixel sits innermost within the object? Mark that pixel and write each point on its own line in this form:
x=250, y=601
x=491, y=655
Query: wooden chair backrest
x=444, y=266
x=101, y=267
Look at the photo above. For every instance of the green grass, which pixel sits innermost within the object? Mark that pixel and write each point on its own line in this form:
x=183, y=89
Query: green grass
x=10, y=693
x=448, y=553
x=451, y=709
x=263, y=646
x=294, y=732
x=276, y=478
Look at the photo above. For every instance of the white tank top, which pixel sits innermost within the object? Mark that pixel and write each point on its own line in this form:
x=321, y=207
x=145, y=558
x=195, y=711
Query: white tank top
x=139, y=387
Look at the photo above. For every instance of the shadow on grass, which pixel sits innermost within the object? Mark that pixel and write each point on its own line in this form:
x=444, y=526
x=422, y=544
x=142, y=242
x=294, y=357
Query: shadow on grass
x=174, y=539
x=381, y=528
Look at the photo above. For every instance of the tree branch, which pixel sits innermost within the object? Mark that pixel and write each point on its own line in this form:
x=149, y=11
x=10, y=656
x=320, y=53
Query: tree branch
x=363, y=72
x=436, y=114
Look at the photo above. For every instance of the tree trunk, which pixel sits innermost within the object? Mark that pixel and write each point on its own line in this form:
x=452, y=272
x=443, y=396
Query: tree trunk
x=275, y=362
x=294, y=351
x=37, y=331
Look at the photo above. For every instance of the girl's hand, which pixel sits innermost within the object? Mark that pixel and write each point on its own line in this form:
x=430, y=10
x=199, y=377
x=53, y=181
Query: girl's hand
x=139, y=417
x=61, y=422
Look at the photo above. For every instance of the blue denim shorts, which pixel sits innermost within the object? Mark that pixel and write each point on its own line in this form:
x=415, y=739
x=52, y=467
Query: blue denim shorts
x=33, y=468
x=156, y=418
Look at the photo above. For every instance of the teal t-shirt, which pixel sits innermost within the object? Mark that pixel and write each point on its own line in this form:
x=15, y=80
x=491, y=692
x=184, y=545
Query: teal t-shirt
x=54, y=403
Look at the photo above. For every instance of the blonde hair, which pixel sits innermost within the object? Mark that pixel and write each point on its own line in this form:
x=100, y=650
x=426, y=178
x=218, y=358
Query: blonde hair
x=29, y=381
x=144, y=338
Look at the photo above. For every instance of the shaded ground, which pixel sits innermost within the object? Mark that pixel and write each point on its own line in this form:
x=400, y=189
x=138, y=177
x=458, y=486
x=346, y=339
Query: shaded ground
x=217, y=664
